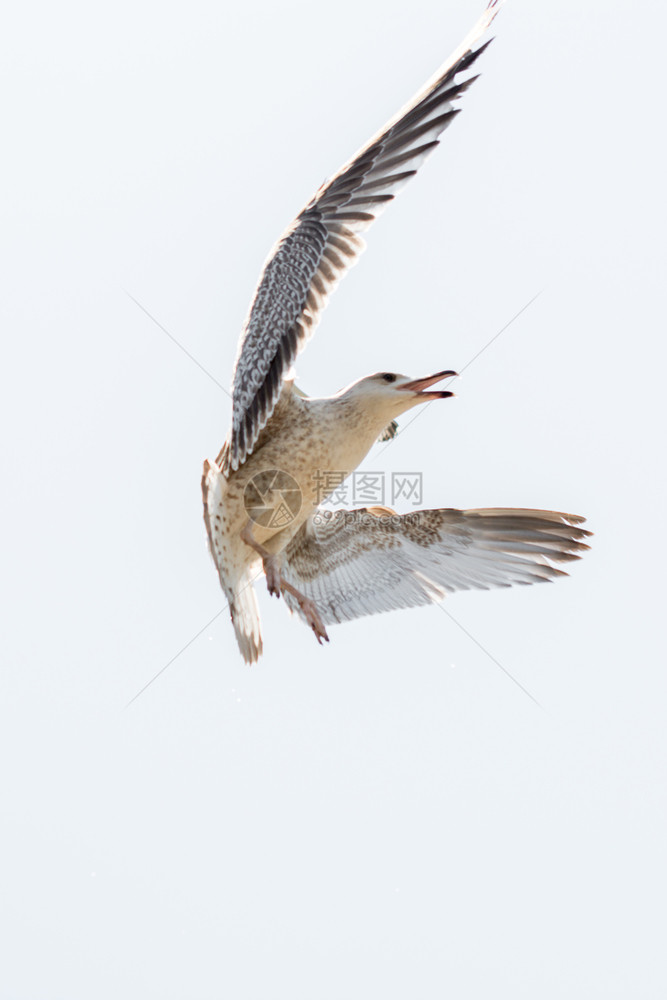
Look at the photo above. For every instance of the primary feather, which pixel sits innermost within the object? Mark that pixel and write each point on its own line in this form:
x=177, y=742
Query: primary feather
x=360, y=562
x=323, y=242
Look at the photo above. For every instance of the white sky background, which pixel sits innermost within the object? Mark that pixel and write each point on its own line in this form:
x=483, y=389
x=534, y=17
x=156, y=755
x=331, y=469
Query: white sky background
x=388, y=816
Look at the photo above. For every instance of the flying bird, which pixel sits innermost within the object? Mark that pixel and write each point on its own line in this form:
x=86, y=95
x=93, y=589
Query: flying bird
x=263, y=493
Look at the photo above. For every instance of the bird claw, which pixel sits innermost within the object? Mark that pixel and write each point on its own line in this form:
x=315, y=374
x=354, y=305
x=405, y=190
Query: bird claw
x=276, y=584
x=273, y=578
x=314, y=620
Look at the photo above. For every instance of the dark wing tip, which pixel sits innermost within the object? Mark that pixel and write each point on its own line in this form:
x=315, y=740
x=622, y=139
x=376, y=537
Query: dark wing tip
x=472, y=56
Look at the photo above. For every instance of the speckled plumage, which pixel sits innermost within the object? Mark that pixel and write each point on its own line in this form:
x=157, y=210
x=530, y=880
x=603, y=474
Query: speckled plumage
x=361, y=562
x=303, y=438
x=323, y=242
x=262, y=494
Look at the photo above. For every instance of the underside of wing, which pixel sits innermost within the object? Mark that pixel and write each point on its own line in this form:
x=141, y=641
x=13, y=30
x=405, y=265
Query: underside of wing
x=362, y=562
x=324, y=241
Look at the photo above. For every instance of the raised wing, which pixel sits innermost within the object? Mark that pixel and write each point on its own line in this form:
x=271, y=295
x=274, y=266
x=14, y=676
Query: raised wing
x=315, y=252
x=361, y=562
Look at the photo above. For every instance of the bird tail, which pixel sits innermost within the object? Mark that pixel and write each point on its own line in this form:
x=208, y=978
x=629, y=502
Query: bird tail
x=236, y=584
x=245, y=619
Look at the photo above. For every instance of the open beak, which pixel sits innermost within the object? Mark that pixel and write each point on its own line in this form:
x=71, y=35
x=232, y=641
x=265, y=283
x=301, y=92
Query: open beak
x=418, y=386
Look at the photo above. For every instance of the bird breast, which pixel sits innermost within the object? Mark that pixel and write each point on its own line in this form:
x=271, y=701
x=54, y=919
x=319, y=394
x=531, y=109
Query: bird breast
x=308, y=447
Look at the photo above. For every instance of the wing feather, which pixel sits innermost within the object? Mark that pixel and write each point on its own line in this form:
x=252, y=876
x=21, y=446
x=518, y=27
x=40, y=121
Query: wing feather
x=323, y=242
x=362, y=562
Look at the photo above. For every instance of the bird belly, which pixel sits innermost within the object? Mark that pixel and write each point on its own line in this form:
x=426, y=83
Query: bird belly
x=295, y=469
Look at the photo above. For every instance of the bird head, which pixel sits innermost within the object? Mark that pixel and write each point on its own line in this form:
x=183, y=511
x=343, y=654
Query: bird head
x=387, y=394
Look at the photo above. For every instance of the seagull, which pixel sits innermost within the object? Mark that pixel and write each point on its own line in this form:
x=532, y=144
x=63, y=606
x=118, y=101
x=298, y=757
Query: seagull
x=263, y=495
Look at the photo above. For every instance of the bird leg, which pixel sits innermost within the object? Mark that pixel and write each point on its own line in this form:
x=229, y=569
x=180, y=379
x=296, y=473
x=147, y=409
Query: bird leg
x=309, y=610
x=276, y=584
x=269, y=561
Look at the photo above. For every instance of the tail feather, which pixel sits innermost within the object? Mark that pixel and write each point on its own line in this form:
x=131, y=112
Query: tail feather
x=236, y=581
x=245, y=618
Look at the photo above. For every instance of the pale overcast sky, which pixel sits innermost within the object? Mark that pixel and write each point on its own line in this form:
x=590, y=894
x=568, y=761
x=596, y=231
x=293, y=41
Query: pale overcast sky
x=390, y=816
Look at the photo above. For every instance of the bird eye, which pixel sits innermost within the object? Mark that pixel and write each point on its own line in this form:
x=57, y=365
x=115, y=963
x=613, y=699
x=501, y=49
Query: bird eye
x=388, y=377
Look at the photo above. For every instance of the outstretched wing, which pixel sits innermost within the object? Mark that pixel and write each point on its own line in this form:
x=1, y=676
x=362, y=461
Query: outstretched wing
x=315, y=252
x=361, y=562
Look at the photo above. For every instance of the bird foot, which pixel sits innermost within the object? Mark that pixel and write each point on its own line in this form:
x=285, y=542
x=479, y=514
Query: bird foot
x=310, y=612
x=314, y=620
x=275, y=584
x=272, y=574
x=269, y=561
